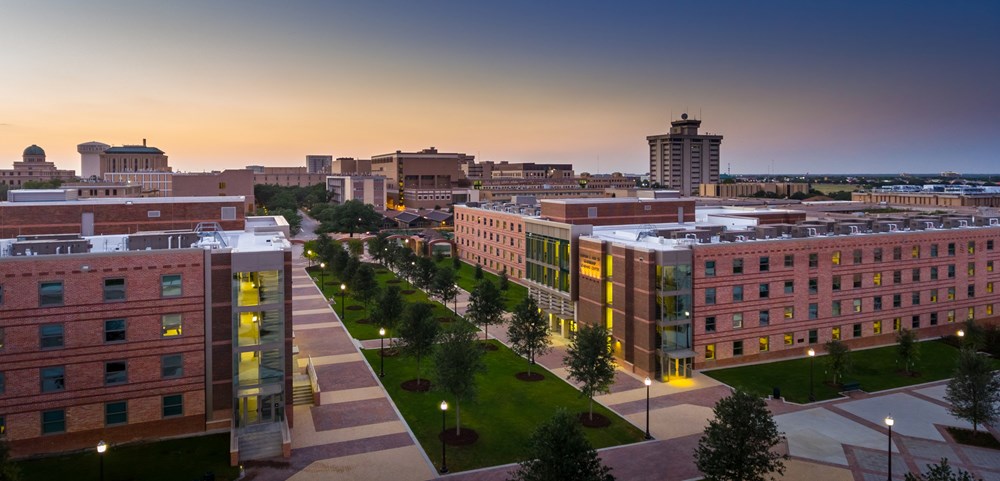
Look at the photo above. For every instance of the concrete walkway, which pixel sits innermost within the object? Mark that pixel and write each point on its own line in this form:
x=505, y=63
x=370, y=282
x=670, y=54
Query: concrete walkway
x=355, y=433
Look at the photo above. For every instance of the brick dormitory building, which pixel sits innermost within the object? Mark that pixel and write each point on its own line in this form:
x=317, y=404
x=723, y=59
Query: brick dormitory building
x=147, y=333
x=681, y=288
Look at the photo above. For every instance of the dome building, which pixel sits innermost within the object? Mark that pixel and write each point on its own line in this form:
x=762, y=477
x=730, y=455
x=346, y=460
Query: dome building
x=33, y=168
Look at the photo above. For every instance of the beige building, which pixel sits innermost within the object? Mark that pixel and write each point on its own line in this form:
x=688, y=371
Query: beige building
x=519, y=170
x=285, y=176
x=230, y=182
x=420, y=179
x=350, y=165
x=369, y=189
x=33, y=168
x=319, y=164
x=750, y=189
x=935, y=199
x=683, y=159
x=90, y=158
x=132, y=158
x=98, y=189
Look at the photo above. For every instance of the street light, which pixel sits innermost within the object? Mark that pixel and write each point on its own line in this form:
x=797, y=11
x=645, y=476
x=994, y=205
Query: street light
x=812, y=355
x=309, y=255
x=381, y=352
x=455, y=299
x=648, y=382
x=322, y=275
x=889, y=422
x=444, y=447
x=101, y=448
x=343, y=305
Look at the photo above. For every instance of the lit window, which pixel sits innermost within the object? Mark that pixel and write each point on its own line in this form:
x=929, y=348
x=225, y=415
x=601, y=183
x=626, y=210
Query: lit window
x=835, y=334
x=877, y=279
x=951, y=316
x=897, y=324
x=789, y=339
x=738, y=320
x=764, y=344
x=835, y=258
x=789, y=312
x=971, y=314
x=915, y=252
x=857, y=305
x=171, y=325
x=710, y=351
x=877, y=327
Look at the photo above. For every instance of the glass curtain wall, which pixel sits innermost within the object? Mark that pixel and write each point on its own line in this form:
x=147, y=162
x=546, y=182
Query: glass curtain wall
x=258, y=358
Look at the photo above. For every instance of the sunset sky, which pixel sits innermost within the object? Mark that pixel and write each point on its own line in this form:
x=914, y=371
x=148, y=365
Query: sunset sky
x=840, y=87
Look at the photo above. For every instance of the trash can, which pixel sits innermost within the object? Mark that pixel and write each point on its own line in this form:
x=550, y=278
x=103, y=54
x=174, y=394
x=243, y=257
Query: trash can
x=776, y=393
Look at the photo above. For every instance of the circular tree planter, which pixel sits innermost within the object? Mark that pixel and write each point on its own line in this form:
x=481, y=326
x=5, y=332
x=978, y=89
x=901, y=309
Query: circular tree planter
x=598, y=421
x=407, y=292
x=529, y=377
x=413, y=386
x=354, y=308
x=467, y=437
x=363, y=321
x=390, y=352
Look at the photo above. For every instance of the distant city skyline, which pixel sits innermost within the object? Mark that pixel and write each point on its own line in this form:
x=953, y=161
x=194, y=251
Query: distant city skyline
x=845, y=87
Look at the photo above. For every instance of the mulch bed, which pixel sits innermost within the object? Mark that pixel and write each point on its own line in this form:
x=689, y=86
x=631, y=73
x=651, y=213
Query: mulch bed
x=393, y=281
x=982, y=438
x=407, y=292
x=488, y=346
x=532, y=377
x=598, y=421
x=444, y=319
x=467, y=437
x=363, y=321
x=390, y=352
x=354, y=308
x=903, y=373
x=413, y=386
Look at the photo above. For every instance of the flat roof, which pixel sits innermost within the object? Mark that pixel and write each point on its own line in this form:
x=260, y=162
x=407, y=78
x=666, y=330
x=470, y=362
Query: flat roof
x=237, y=241
x=616, y=200
x=131, y=200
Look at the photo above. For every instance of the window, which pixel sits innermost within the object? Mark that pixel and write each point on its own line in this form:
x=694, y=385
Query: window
x=738, y=320
x=50, y=293
x=856, y=281
x=813, y=285
x=710, y=296
x=228, y=213
x=897, y=277
x=1, y=383
x=916, y=274
x=877, y=327
x=877, y=279
x=951, y=293
x=765, y=318
x=114, y=330
x=897, y=324
x=737, y=348
x=856, y=305
x=813, y=336
x=836, y=283
x=915, y=252
x=934, y=295
x=877, y=254
x=764, y=290
x=172, y=366
x=972, y=269
x=115, y=372
x=765, y=264
x=897, y=253
x=877, y=303
x=971, y=291
x=897, y=300
x=764, y=344
x=951, y=315
x=989, y=268
x=114, y=289
x=50, y=336
x=710, y=351
x=989, y=289
x=915, y=298
x=789, y=339
x=737, y=293
x=951, y=248
x=972, y=314
x=170, y=325
x=835, y=258
x=934, y=250
x=989, y=245
x=835, y=308
x=789, y=287
x=989, y=309
x=1, y=295
x=789, y=261
x=813, y=311
x=710, y=268
x=53, y=379
x=789, y=312
x=710, y=324
x=835, y=334
x=173, y=405
x=915, y=322
x=813, y=260
x=934, y=273
x=737, y=266
x=857, y=330
x=857, y=256
x=170, y=285
x=116, y=413
x=53, y=421
x=972, y=247
x=951, y=271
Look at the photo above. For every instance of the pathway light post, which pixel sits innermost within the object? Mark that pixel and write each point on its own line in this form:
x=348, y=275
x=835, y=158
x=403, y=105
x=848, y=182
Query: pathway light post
x=647, y=382
x=381, y=352
x=889, y=422
x=343, y=302
x=444, y=447
x=322, y=276
x=101, y=448
x=455, y=299
x=812, y=356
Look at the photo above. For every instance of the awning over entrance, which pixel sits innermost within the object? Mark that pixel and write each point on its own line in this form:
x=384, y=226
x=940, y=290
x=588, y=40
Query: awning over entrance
x=680, y=354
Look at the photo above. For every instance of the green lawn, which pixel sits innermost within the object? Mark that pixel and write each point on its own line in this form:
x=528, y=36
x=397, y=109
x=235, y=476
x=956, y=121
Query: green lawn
x=876, y=370
x=176, y=459
x=368, y=330
x=506, y=413
x=467, y=281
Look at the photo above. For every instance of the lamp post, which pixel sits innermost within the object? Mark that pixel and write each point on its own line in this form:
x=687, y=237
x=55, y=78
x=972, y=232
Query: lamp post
x=444, y=447
x=381, y=352
x=648, y=382
x=101, y=448
x=343, y=305
x=961, y=337
x=322, y=275
x=455, y=300
x=812, y=355
x=889, y=422
x=309, y=255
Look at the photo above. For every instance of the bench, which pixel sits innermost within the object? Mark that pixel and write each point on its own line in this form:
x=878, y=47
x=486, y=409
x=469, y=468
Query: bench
x=851, y=386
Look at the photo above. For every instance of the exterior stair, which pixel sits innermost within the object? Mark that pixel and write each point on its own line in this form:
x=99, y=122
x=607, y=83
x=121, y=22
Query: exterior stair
x=260, y=443
x=301, y=391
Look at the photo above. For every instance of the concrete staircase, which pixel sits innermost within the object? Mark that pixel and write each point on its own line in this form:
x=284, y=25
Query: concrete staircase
x=259, y=443
x=301, y=391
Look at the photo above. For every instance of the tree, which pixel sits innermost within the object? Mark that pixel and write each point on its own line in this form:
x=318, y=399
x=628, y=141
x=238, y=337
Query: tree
x=907, y=348
x=424, y=273
x=364, y=285
x=351, y=216
x=975, y=335
x=338, y=261
x=561, y=452
x=8, y=470
x=350, y=267
x=389, y=308
x=838, y=360
x=418, y=332
x=457, y=360
x=528, y=333
x=456, y=262
x=941, y=472
x=504, y=282
x=479, y=272
x=590, y=362
x=378, y=248
x=974, y=391
x=738, y=443
x=444, y=285
x=355, y=247
x=485, y=306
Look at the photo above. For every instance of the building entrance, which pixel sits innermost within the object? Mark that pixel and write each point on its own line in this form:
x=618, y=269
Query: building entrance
x=258, y=407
